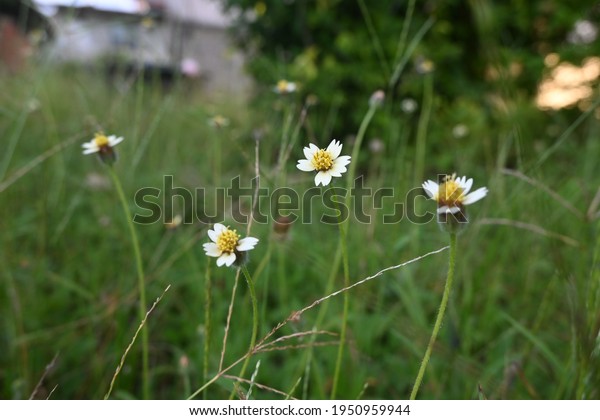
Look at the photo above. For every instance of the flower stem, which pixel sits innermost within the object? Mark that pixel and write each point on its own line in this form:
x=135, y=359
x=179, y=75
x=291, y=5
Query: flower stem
x=343, y=237
x=440, y=317
x=141, y=280
x=207, y=322
x=254, y=319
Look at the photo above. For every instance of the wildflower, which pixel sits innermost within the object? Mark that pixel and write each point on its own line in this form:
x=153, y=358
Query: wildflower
x=227, y=246
x=377, y=98
x=327, y=162
x=452, y=195
x=218, y=121
x=283, y=87
x=424, y=65
x=408, y=105
x=376, y=146
x=103, y=145
x=460, y=130
x=174, y=223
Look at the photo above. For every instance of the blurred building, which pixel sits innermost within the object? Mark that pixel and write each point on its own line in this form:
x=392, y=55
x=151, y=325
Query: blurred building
x=172, y=37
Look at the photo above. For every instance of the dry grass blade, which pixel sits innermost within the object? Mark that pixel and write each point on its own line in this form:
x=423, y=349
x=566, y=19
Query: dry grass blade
x=591, y=213
x=229, y=314
x=294, y=315
x=297, y=346
x=546, y=189
x=21, y=172
x=530, y=227
x=122, y=362
x=295, y=335
x=256, y=384
x=48, y=368
x=317, y=302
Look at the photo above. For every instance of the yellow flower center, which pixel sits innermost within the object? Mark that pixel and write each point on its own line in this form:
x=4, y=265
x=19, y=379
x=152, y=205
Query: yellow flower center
x=282, y=86
x=227, y=241
x=101, y=140
x=322, y=160
x=450, y=193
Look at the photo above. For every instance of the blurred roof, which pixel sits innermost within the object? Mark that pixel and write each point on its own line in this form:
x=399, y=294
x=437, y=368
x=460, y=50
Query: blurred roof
x=200, y=12
x=119, y=6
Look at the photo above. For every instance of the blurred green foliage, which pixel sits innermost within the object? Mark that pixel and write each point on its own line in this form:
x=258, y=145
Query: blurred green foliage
x=488, y=56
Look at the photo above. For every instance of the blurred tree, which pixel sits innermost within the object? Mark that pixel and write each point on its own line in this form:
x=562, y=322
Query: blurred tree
x=342, y=51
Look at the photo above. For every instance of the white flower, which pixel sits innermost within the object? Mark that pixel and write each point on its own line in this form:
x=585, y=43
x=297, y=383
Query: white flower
x=453, y=193
x=100, y=144
x=408, y=105
x=226, y=245
x=327, y=162
x=283, y=87
x=218, y=121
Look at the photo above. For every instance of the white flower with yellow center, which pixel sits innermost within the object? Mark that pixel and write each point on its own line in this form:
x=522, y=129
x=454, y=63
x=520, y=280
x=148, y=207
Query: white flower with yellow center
x=101, y=144
x=327, y=162
x=453, y=193
x=283, y=87
x=226, y=245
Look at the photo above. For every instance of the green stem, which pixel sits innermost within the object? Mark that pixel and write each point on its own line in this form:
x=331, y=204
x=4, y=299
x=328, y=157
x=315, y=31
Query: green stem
x=343, y=237
x=440, y=317
x=254, y=320
x=141, y=281
x=207, y=323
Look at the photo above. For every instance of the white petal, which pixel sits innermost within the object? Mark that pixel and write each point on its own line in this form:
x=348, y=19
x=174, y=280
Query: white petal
x=305, y=165
x=218, y=228
x=310, y=151
x=343, y=160
x=335, y=148
x=431, y=188
x=213, y=235
x=89, y=151
x=475, y=196
x=337, y=169
x=446, y=209
x=114, y=140
x=246, y=244
x=89, y=145
x=226, y=259
x=322, y=178
x=211, y=249
x=466, y=185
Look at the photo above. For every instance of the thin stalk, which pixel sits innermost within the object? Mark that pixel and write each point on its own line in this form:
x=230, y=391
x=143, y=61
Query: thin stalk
x=343, y=239
x=422, y=128
x=141, y=281
x=440, y=317
x=207, y=323
x=254, y=322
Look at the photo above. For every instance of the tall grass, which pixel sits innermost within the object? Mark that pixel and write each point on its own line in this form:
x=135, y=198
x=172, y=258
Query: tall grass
x=521, y=322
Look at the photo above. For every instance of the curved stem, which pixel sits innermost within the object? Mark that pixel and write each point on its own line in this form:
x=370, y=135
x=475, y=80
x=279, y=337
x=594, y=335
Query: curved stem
x=254, y=320
x=440, y=317
x=141, y=280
